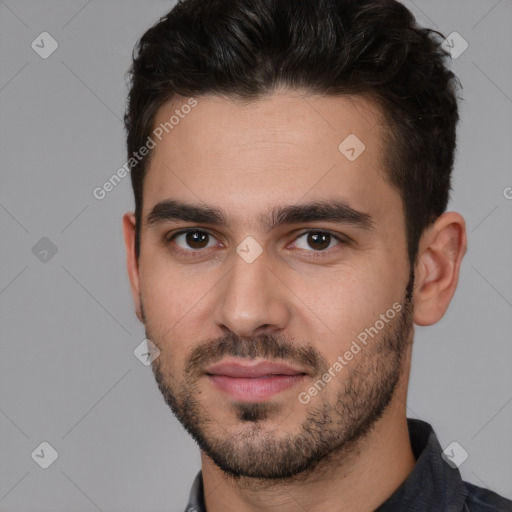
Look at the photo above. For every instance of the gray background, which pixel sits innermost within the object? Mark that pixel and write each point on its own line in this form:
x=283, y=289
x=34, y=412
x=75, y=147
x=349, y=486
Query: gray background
x=68, y=375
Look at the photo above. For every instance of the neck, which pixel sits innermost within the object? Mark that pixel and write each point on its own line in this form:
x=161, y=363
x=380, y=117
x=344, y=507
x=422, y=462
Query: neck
x=360, y=478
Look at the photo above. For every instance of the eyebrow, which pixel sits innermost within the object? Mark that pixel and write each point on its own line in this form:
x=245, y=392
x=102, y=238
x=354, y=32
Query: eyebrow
x=331, y=211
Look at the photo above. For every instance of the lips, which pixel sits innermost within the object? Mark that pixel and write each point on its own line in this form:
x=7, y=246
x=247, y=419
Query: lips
x=260, y=369
x=253, y=382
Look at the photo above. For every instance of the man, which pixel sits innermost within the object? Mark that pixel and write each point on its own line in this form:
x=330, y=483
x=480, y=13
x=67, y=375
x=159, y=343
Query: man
x=291, y=171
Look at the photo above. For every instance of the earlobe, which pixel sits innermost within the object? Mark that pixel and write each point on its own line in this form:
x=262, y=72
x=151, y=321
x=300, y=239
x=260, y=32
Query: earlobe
x=132, y=265
x=441, y=250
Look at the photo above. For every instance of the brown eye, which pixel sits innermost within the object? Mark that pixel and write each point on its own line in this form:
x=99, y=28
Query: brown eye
x=317, y=240
x=196, y=239
x=191, y=240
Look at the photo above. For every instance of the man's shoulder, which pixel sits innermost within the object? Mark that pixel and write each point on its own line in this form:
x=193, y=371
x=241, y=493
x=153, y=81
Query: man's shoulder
x=480, y=499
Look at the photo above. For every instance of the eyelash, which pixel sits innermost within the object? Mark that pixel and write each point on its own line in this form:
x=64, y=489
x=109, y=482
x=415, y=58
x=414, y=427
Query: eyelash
x=197, y=253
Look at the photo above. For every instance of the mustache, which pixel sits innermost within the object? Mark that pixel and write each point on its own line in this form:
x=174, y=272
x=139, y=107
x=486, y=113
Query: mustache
x=265, y=346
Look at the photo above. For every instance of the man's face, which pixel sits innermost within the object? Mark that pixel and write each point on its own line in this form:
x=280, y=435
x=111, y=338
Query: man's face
x=263, y=286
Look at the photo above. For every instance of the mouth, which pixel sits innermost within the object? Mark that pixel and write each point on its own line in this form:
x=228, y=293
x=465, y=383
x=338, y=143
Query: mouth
x=254, y=382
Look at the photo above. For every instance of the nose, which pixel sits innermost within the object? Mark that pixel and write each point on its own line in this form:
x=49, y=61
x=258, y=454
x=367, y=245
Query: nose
x=251, y=300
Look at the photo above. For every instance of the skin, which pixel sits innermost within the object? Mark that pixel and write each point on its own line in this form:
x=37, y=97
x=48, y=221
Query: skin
x=247, y=159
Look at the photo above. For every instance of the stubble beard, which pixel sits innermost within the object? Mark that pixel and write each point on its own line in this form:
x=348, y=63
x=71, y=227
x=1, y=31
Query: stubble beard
x=333, y=425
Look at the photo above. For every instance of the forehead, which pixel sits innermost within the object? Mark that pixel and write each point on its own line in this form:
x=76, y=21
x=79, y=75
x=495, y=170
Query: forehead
x=285, y=117
x=280, y=149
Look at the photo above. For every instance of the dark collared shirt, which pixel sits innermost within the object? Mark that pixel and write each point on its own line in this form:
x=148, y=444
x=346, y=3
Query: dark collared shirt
x=432, y=486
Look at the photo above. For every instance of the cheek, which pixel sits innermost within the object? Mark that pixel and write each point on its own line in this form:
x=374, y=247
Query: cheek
x=165, y=294
x=340, y=305
x=175, y=299
x=338, y=301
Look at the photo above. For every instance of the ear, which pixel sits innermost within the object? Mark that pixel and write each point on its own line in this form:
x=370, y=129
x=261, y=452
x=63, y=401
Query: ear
x=440, y=253
x=132, y=264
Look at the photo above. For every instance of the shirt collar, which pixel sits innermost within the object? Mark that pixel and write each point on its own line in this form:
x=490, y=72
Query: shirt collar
x=432, y=484
x=196, y=497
